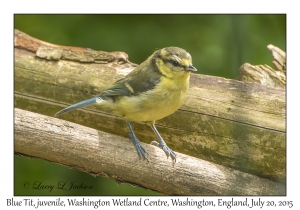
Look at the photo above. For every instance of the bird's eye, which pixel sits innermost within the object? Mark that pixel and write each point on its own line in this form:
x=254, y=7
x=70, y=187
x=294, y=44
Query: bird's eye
x=175, y=63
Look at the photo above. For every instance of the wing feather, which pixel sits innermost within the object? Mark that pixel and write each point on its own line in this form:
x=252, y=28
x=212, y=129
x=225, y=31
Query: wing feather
x=145, y=77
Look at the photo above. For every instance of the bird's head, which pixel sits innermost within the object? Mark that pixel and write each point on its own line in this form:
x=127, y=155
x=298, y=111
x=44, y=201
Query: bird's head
x=173, y=62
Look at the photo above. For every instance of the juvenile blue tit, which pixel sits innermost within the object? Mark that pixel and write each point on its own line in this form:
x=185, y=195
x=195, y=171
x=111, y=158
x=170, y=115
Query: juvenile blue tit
x=152, y=91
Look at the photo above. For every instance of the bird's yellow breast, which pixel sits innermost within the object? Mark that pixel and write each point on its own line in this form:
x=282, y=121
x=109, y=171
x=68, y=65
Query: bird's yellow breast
x=154, y=104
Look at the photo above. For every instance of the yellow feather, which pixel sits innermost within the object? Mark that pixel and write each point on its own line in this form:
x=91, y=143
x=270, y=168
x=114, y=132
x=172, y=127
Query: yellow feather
x=154, y=90
x=155, y=104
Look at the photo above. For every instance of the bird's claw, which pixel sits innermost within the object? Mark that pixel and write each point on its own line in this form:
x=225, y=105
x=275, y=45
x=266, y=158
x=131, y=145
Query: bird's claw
x=166, y=149
x=139, y=148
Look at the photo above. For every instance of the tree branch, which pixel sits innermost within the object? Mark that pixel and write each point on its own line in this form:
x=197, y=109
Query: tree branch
x=100, y=153
x=235, y=124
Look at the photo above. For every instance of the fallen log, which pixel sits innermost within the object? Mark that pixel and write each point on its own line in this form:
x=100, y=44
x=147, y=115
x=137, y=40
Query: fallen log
x=236, y=124
x=104, y=154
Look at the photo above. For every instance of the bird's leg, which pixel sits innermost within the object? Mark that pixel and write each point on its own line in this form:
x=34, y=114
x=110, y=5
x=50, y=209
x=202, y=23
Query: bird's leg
x=163, y=144
x=140, y=150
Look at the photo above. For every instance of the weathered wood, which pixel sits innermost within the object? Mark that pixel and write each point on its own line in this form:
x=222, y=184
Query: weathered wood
x=100, y=153
x=279, y=56
x=236, y=124
x=264, y=74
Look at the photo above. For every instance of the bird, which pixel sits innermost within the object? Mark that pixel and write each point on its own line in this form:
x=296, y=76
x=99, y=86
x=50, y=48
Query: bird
x=153, y=90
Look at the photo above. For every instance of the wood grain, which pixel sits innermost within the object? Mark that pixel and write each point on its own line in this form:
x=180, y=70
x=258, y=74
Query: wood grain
x=232, y=123
x=100, y=153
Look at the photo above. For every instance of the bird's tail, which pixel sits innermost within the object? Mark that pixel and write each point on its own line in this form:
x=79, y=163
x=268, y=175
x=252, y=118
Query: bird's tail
x=77, y=106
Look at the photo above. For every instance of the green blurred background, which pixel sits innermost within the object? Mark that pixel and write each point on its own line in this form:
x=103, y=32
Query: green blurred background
x=219, y=45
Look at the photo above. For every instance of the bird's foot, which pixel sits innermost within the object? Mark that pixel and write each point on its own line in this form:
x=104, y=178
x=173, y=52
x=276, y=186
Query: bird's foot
x=140, y=150
x=166, y=149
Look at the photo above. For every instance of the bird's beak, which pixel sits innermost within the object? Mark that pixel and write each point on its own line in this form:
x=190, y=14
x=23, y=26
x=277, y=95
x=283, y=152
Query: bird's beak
x=191, y=68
